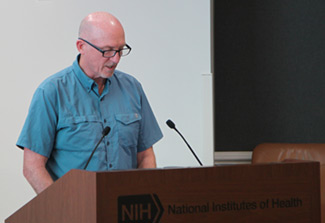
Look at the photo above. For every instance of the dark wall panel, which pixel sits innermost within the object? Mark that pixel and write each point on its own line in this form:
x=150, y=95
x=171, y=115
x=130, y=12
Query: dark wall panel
x=269, y=72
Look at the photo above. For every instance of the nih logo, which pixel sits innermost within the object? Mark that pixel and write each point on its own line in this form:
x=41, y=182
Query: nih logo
x=144, y=208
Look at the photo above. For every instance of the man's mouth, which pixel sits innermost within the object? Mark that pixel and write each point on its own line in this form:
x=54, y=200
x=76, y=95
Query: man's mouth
x=111, y=66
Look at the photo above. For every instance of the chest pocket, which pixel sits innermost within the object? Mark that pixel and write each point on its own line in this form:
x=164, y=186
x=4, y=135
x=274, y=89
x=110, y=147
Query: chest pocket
x=77, y=120
x=78, y=133
x=128, y=127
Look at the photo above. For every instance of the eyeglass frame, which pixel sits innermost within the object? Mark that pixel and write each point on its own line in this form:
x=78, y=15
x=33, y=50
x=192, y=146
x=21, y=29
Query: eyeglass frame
x=103, y=51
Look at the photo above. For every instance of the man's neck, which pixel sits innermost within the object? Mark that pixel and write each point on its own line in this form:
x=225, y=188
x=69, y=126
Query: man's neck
x=101, y=84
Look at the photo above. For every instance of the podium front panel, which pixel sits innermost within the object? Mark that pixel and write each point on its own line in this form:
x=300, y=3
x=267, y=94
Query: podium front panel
x=286, y=192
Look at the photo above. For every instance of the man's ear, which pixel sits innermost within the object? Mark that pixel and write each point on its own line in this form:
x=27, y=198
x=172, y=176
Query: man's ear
x=80, y=46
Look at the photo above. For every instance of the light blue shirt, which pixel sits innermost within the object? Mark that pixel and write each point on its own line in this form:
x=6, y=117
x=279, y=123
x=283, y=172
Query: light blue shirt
x=67, y=116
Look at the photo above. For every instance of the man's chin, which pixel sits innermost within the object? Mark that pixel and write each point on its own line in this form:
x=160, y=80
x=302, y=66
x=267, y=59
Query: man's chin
x=107, y=74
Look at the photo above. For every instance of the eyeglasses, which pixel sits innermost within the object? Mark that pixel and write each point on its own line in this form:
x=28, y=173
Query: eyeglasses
x=111, y=53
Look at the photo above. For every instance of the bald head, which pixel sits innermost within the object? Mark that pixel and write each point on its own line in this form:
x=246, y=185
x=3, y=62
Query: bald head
x=98, y=32
x=99, y=25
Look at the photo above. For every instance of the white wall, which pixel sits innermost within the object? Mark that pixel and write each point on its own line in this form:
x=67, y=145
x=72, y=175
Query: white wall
x=170, y=57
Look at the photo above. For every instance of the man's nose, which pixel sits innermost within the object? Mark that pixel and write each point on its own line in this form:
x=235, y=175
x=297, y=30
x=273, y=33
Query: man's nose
x=116, y=58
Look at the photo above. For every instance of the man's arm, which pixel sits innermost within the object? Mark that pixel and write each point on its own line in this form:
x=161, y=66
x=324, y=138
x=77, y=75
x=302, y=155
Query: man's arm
x=147, y=159
x=35, y=172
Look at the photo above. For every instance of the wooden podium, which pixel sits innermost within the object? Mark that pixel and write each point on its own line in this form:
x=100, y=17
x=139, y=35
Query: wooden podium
x=279, y=192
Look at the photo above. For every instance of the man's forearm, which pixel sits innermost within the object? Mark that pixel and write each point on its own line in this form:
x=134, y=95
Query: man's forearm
x=38, y=178
x=35, y=171
x=147, y=159
x=148, y=163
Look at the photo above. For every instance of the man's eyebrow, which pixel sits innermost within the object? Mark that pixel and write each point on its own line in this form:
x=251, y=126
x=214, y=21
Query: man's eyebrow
x=113, y=48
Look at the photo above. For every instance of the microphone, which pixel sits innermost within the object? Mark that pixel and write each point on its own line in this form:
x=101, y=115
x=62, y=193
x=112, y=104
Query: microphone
x=172, y=125
x=106, y=130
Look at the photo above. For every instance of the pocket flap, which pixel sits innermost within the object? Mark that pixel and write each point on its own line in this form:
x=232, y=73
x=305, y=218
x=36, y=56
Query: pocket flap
x=78, y=119
x=72, y=120
x=127, y=119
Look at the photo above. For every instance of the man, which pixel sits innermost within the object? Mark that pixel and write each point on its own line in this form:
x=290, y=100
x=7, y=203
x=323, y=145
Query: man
x=70, y=109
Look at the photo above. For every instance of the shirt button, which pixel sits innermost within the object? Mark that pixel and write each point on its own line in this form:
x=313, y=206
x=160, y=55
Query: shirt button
x=110, y=165
x=104, y=120
x=107, y=143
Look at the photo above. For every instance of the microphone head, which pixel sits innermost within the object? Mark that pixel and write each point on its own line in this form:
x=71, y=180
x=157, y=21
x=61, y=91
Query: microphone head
x=106, y=130
x=171, y=124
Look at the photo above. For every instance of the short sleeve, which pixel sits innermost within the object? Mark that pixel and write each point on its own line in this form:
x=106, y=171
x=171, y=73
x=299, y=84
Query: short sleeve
x=150, y=132
x=38, y=133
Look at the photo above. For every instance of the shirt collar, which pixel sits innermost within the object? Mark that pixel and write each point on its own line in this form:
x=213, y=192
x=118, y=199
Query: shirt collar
x=86, y=81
